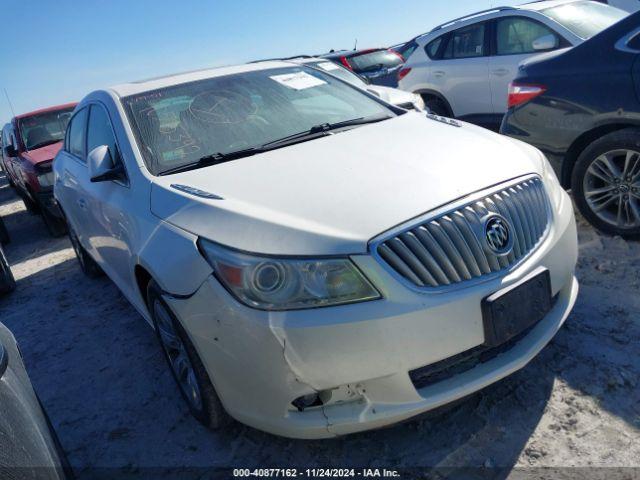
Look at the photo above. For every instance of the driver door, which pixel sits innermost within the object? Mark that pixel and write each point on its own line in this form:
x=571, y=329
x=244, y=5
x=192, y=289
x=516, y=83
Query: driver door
x=514, y=42
x=110, y=226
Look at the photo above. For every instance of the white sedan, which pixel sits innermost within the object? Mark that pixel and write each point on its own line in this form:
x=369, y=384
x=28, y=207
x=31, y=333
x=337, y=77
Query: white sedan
x=314, y=260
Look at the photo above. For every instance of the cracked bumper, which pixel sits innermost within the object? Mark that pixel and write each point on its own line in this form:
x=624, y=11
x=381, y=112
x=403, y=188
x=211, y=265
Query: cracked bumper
x=360, y=355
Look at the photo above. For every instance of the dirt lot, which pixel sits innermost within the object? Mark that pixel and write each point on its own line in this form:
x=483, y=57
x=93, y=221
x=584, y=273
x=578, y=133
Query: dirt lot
x=100, y=374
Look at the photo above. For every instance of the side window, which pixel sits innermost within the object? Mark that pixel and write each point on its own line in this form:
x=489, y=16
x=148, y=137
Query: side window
x=466, y=42
x=76, y=132
x=517, y=35
x=99, y=132
x=432, y=47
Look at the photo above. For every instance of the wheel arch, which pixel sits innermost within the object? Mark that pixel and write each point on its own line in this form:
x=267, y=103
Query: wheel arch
x=583, y=141
x=427, y=93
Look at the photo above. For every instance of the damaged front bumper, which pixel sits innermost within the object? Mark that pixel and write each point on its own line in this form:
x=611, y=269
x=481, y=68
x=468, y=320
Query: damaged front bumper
x=358, y=357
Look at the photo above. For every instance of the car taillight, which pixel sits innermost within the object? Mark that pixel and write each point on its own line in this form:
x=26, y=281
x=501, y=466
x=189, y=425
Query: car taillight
x=520, y=93
x=344, y=62
x=403, y=73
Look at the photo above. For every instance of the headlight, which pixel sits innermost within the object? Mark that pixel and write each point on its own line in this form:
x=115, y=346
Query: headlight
x=418, y=102
x=46, y=179
x=284, y=284
x=554, y=189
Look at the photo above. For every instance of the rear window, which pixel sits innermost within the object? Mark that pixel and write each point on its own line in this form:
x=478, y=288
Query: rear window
x=585, y=18
x=375, y=60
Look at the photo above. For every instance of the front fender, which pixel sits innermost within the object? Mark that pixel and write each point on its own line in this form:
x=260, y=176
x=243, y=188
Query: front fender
x=172, y=258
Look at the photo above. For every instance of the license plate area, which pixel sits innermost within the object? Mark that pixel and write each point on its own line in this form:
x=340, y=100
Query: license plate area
x=508, y=312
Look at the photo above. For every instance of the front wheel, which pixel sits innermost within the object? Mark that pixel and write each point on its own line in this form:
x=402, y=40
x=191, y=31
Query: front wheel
x=87, y=264
x=185, y=364
x=606, y=183
x=56, y=226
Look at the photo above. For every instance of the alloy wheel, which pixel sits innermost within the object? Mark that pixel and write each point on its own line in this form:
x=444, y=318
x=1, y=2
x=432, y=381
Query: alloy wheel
x=611, y=188
x=176, y=352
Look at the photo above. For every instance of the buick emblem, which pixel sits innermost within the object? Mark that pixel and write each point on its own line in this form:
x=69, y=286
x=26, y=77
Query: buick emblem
x=497, y=235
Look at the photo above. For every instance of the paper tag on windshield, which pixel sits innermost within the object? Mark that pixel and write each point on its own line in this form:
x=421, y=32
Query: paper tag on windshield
x=298, y=80
x=328, y=66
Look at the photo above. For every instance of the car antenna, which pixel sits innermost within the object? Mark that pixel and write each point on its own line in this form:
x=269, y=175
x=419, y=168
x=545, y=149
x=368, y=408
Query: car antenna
x=355, y=45
x=9, y=101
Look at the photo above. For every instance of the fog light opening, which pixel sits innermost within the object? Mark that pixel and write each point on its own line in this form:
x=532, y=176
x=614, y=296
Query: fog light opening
x=307, y=401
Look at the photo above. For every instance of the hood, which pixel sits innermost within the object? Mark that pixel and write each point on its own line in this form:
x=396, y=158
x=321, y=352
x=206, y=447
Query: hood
x=392, y=95
x=42, y=154
x=332, y=195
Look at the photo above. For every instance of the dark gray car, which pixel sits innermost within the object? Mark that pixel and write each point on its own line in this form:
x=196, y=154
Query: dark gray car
x=29, y=448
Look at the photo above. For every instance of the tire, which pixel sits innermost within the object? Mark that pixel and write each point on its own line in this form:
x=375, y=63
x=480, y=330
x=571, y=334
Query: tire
x=193, y=380
x=56, y=226
x=437, y=106
x=87, y=264
x=7, y=282
x=606, y=183
x=31, y=206
x=4, y=234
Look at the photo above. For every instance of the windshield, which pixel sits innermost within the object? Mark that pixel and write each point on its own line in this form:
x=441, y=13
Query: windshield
x=44, y=129
x=179, y=125
x=585, y=18
x=340, y=72
x=376, y=60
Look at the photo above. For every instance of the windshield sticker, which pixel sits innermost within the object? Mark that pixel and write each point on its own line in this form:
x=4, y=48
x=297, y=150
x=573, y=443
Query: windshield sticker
x=328, y=66
x=298, y=81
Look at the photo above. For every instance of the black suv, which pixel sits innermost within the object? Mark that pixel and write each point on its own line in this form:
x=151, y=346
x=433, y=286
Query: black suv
x=581, y=107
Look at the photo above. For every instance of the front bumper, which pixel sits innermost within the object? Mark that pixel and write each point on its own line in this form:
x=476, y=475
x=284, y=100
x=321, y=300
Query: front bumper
x=359, y=356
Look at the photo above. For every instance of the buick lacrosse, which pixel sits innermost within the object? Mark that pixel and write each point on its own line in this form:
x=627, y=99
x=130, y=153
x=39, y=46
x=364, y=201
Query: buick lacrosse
x=315, y=261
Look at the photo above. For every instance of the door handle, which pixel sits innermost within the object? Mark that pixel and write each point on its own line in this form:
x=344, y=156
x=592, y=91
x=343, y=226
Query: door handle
x=501, y=72
x=82, y=203
x=438, y=73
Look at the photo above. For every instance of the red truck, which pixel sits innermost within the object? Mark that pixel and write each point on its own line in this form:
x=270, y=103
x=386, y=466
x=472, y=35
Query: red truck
x=29, y=144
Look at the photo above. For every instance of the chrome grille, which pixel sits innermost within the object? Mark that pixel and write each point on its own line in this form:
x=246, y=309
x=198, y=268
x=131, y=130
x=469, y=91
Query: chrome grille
x=449, y=248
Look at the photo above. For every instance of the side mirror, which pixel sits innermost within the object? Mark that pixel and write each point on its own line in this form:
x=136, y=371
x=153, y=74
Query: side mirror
x=102, y=167
x=546, y=42
x=10, y=151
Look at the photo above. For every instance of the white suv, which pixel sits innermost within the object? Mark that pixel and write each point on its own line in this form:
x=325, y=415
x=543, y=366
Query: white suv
x=463, y=68
x=314, y=260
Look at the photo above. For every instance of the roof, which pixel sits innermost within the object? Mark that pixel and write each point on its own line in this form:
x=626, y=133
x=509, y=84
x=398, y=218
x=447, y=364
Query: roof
x=48, y=109
x=471, y=17
x=134, y=88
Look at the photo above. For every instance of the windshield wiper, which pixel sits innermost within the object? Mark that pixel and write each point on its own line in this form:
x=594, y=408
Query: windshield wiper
x=213, y=159
x=314, y=132
x=320, y=131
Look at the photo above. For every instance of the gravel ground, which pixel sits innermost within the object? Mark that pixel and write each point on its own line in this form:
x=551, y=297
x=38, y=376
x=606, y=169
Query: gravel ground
x=99, y=372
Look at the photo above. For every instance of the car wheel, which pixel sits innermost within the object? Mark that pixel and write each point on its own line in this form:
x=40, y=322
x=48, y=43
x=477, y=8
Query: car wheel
x=606, y=183
x=29, y=204
x=7, y=282
x=4, y=234
x=87, y=264
x=57, y=227
x=185, y=364
x=436, y=106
